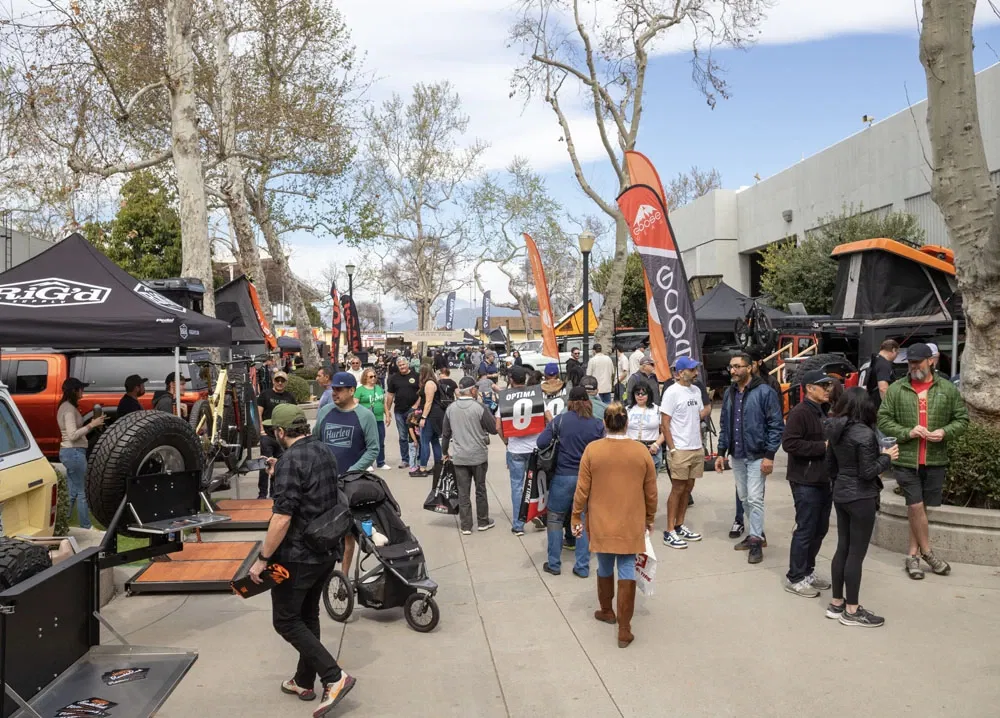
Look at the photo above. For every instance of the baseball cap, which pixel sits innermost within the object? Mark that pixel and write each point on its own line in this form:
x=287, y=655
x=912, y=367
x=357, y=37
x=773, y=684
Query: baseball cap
x=589, y=383
x=647, y=361
x=280, y=375
x=551, y=369
x=286, y=416
x=72, y=384
x=578, y=393
x=170, y=378
x=343, y=379
x=134, y=380
x=934, y=349
x=687, y=363
x=815, y=376
x=466, y=383
x=918, y=352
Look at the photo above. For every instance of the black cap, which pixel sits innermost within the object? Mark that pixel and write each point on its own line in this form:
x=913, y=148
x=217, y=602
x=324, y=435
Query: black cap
x=589, y=383
x=134, y=380
x=578, y=393
x=918, y=352
x=73, y=384
x=815, y=377
x=170, y=378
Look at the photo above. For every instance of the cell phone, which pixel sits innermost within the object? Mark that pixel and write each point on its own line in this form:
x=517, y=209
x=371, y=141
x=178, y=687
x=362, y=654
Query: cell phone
x=98, y=411
x=257, y=464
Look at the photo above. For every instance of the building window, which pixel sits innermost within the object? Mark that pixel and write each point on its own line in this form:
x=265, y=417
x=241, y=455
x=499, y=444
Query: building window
x=702, y=285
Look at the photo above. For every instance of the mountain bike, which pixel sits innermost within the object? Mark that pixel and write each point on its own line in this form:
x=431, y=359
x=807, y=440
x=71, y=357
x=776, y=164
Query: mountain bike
x=755, y=329
x=227, y=422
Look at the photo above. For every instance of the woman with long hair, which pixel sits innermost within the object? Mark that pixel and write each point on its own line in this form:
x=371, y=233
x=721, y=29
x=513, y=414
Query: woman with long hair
x=73, y=447
x=431, y=420
x=575, y=428
x=854, y=460
x=371, y=395
x=644, y=421
x=616, y=501
x=517, y=358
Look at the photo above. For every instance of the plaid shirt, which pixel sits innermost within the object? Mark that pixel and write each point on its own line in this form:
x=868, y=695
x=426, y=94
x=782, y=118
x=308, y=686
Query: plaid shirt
x=305, y=486
x=899, y=413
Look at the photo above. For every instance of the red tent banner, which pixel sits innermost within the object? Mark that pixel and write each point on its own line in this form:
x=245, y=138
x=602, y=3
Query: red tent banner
x=352, y=325
x=671, y=308
x=550, y=347
x=335, y=325
x=641, y=171
x=269, y=339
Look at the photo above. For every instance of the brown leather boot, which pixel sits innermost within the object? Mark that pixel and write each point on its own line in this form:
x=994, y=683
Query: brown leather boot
x=605, y=594
x=626, y=605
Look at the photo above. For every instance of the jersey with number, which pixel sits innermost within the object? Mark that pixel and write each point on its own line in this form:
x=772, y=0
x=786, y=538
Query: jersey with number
x=555, y=404
x=522, y=411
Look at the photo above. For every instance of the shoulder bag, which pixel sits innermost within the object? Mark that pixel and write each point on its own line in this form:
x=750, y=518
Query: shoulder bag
x=547, y=455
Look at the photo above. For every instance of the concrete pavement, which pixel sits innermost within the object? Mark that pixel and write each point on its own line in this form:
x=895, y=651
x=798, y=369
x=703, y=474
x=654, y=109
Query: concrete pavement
x=719, y=638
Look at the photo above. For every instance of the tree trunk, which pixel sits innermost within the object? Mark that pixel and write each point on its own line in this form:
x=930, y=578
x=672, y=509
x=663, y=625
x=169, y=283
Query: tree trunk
x=613, y=292
x=962, y=190
x=310, y=357
x=522, y=306
x=196, y=253
x=232, y=187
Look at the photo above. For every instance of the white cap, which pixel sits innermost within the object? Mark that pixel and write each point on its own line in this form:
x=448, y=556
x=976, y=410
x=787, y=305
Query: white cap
x=934, y=349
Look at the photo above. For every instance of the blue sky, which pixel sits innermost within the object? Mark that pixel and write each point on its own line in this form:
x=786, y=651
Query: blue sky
x=818, y=68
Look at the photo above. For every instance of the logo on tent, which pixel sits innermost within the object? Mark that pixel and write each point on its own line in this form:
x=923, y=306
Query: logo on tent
x=184, y=331
x=158, y=299
x=645, y=218
x=52, y=292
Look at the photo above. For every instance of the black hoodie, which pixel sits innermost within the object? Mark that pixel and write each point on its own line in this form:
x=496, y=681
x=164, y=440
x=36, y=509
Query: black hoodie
x=855, y=460
x=805, y=445
x=167, y=404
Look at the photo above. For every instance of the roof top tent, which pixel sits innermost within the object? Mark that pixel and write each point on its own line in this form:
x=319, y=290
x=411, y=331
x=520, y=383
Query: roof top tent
x=236, y=302
x=73, y=297
x=572, y=321
x=718, y=309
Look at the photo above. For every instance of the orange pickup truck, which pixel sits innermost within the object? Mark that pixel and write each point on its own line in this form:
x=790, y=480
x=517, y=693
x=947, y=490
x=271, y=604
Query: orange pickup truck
x=35, y=379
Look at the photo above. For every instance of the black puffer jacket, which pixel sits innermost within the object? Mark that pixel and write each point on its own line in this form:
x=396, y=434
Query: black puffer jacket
x=854, y=460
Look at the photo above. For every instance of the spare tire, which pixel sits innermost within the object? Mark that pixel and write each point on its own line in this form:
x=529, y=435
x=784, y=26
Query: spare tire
x=20, y=560
x=834, y=364
x=143, y=442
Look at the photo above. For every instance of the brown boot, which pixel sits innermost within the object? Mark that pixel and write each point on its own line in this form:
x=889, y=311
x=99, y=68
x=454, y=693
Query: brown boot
x=605, y=594
x=626, y=604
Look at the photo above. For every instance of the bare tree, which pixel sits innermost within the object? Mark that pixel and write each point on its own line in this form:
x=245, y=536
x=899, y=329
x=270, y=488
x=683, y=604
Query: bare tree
x=961, y=188
x=603, y=48
x=414, y=170
x=689, y=186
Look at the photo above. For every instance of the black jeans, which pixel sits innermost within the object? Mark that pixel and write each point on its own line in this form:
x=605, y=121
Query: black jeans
x=295, y=614
x=269, y=446
x=812, y=521
x=464, y=477
x=855, y=523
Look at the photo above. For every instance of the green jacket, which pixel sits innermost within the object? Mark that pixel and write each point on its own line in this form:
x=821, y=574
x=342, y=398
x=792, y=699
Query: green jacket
x=373, y=399
x=899, y=413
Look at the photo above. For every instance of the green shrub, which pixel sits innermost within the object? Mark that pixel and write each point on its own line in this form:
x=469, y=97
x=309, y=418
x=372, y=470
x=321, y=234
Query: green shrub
x=299, y=387
x=974, y=473
x=308, y=374
x=62, y=506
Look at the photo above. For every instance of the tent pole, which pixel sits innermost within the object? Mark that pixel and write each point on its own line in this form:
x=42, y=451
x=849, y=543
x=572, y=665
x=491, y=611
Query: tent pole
x=177, y=379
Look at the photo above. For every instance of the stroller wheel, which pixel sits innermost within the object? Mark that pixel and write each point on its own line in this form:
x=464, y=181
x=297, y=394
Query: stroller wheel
x=338, y=596
x=421, y=611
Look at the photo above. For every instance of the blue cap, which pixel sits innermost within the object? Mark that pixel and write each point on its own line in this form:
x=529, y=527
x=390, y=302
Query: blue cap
x=551, y=369
x=343, y=379
x=687, y=363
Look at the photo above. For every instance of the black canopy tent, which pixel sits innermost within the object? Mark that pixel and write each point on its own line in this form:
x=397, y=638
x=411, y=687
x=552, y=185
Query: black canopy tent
x=718, y=309
x=73, y=297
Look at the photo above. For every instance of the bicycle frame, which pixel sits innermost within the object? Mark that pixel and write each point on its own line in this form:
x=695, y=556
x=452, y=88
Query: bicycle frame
x=216, y=405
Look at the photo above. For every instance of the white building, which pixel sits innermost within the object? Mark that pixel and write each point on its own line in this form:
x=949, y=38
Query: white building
x=16, y=247
x=882, y=168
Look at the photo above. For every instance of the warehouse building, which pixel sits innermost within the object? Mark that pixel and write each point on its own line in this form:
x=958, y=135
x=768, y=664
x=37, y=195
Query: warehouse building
x=881, y=169
x=17, y=247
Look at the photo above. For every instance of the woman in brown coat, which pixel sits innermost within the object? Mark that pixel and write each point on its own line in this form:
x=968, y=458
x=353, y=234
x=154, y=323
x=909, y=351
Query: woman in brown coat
x=616, y=492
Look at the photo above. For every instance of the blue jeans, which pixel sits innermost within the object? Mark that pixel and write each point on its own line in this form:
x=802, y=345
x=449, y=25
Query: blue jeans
x=562, y=488
x=605, y=397
x=626, y=565
x=750, y=489
x=404, y=439
x=739, y=506
x=380, y=425
x=517, y=465
x=75, y=463
x=429, y=437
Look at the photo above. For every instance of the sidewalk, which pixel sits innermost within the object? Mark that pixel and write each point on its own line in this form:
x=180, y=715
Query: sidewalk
x=719, y=638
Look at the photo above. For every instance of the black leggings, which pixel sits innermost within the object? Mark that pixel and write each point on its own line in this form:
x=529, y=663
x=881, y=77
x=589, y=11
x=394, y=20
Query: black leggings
x=855, y=522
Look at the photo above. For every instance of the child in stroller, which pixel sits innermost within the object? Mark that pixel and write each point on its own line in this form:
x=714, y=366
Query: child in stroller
x=399, y=577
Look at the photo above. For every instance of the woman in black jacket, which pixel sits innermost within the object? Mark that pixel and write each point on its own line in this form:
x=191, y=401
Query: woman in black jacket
x=854, y=460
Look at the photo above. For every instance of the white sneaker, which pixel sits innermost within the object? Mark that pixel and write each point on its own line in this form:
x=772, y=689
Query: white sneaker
x=673, y=540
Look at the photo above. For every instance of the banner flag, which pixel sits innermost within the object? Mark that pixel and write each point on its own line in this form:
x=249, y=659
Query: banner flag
x=486, y=312
x=671, y=307
x=335, y=325
x=549, y=346
x=352, y=325
x=641, y=171
x=449, y=312
x=269, y=339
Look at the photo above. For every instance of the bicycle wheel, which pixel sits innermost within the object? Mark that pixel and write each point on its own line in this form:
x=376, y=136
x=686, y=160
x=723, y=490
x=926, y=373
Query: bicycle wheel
x=338, y=596
x=742, y=331
x=763, y=330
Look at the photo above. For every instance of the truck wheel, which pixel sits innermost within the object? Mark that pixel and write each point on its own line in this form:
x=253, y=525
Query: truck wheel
x=833, y=363
x=144, y=442
x=20, y=560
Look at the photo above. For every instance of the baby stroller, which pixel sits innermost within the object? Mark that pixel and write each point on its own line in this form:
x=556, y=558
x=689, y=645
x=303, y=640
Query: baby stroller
x=399, y=576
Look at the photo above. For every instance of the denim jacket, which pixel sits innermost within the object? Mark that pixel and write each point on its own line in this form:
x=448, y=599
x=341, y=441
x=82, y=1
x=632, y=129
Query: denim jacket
x=762, y=422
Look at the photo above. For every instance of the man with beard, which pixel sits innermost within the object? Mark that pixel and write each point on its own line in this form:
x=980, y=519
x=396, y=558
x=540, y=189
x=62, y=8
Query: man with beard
x=923, y=411
x=574, y=368
x=135, y=386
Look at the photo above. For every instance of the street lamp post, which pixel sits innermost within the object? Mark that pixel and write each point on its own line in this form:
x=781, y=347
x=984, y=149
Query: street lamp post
x=586, y=240
x=350, y=279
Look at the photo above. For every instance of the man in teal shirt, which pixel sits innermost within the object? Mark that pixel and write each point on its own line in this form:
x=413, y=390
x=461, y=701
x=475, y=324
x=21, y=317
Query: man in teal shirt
x=347, y=428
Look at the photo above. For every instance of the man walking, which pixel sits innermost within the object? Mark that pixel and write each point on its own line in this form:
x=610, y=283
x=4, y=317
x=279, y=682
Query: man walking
x=400, y=395
x=805, y=445
x=602, y=368
x=574, y=368
x=681, y=411
x=923, y=412
x=268, y=400
x=305, y=479
x=750, y=433
x=465, y=440
x=519, y=450
x=347, y=428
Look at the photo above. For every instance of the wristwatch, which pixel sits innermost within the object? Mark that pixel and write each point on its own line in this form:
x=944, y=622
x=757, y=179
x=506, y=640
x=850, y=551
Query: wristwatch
x=262, y=557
